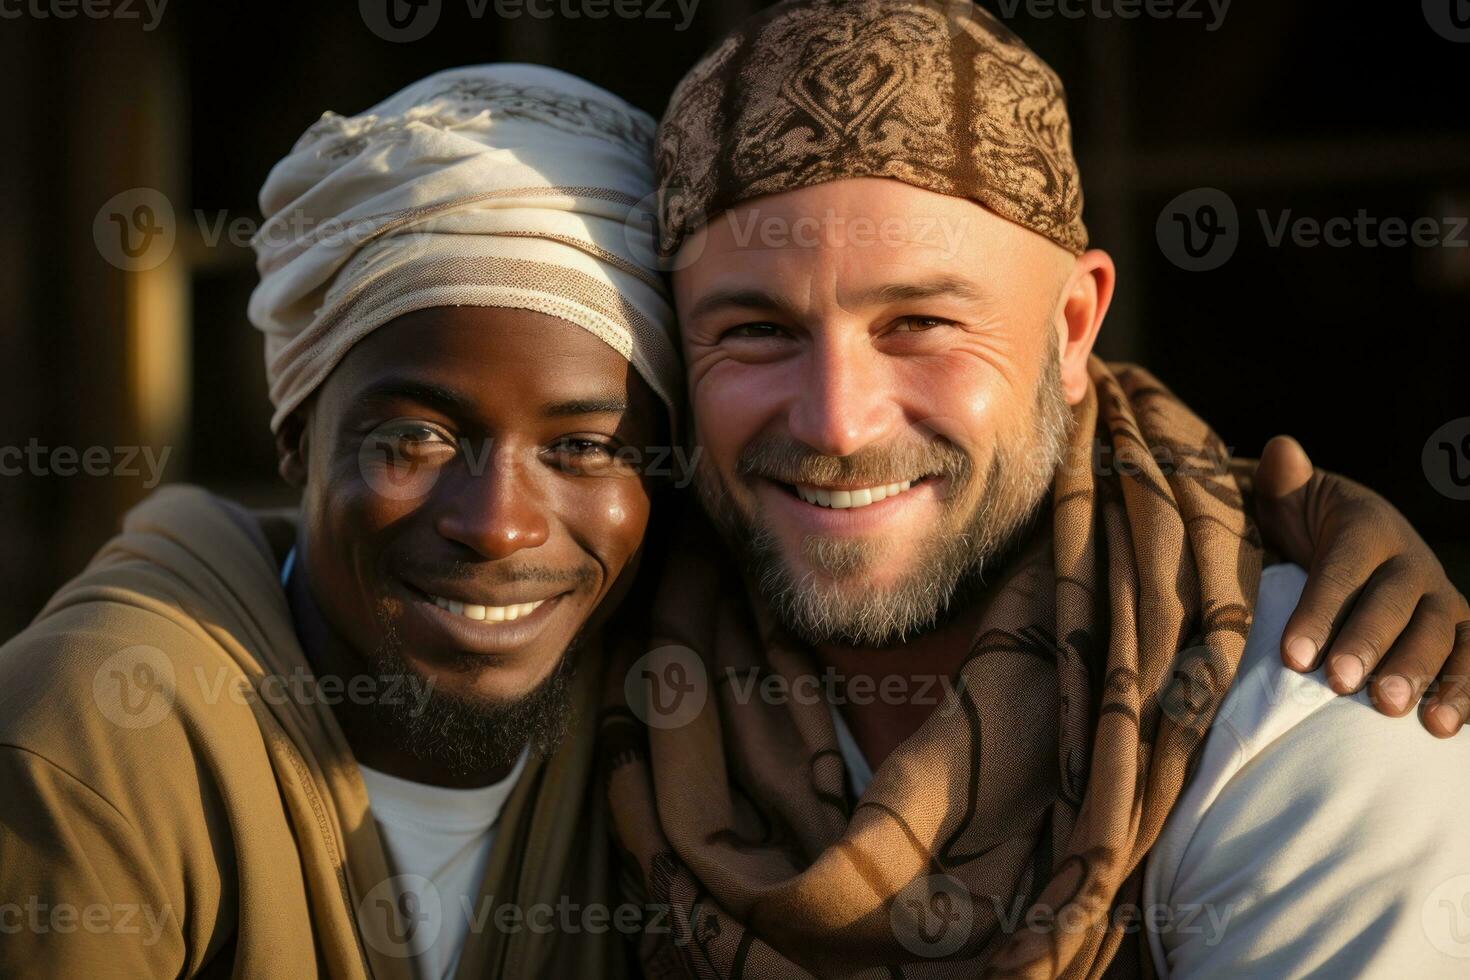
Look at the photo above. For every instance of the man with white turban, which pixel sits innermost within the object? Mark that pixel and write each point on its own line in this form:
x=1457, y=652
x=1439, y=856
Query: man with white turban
x=356, y=742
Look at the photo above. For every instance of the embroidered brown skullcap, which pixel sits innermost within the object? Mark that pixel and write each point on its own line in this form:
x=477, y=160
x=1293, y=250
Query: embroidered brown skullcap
x=935, y=93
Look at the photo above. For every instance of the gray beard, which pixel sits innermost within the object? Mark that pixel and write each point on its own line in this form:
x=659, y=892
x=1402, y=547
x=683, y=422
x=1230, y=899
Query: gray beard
x=839, y=606
x=468, y=735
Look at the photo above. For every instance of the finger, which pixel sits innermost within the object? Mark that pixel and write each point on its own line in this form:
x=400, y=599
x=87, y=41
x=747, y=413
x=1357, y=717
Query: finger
x=1414, y=658
x=1282, y=487
x=1327, y=598
x=1381, y=613
x=1284, y=468
x=1447, y=710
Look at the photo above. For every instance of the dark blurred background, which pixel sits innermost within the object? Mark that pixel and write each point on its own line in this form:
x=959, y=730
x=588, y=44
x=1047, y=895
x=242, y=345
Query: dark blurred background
x=1291, y=108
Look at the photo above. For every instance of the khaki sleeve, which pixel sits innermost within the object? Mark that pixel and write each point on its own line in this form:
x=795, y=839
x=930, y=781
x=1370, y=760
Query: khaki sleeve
x=79, y=893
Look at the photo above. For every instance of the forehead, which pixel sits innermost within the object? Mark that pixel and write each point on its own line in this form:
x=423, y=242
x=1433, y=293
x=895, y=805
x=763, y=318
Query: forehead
x=491, y=357
x=854, y=228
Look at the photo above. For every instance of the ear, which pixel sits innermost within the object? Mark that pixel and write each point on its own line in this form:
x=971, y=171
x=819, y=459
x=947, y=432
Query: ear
x=1084, y=302
x=291, y=449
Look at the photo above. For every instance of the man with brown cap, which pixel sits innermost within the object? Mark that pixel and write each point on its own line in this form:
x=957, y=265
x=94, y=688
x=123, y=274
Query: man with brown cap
x=995, y=684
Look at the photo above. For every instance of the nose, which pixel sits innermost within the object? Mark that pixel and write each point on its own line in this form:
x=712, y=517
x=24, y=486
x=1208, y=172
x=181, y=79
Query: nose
x=494, y=513
x=843, y=404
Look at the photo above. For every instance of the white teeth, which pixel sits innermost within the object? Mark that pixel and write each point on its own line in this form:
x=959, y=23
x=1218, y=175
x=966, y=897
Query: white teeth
x=849, y=499
x=488, y=614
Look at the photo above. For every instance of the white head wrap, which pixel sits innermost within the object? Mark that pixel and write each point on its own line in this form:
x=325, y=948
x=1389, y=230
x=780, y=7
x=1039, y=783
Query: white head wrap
x=495, y=185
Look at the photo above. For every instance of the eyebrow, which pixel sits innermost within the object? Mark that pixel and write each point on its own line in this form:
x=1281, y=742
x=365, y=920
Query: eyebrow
x=742, y=297
x=586, y=406
x=435, y=396
x=944, y=285
x=751, y=297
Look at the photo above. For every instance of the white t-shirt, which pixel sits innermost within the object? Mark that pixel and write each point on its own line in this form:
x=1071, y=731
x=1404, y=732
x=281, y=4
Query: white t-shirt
x=1317, y=837
x=438, y=840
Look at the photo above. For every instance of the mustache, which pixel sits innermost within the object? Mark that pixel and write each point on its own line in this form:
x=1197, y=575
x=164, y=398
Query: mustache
x=783, y=459
x=493, y=574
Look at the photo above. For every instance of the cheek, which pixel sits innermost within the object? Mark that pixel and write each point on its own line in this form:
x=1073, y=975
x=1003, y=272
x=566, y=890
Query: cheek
x=734, y=403
x=966, y=404
x=346, y=500
x=346, y=521
x=613, y=520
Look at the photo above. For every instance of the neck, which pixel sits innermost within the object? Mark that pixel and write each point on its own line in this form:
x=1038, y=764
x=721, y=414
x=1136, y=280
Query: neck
x=375, y=739
x=889, y=692
x=921, y=670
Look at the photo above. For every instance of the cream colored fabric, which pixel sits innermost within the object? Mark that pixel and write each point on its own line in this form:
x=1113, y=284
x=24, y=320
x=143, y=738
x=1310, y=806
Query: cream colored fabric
x=156, y=782
x=1288, y=856
x=439, y=838
x=494, y=185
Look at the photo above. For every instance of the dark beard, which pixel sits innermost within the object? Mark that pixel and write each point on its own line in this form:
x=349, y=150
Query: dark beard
x=468, y=735
x=956, y=555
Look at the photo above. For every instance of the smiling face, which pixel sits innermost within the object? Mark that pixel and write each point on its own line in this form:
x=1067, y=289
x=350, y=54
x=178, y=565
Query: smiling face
x=464, y=495
x=879, y=377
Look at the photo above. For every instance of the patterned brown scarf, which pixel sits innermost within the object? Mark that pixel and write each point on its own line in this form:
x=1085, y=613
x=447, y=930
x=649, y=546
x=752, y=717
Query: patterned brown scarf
x=935, y=93
x=1006, y=836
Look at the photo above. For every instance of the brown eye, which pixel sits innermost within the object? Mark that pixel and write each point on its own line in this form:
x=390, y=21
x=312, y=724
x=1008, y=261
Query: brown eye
x=403, y=441
x=584, y=448
x=918, y=324
x=582, y=454
x=752, y=331
x=409, y=434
